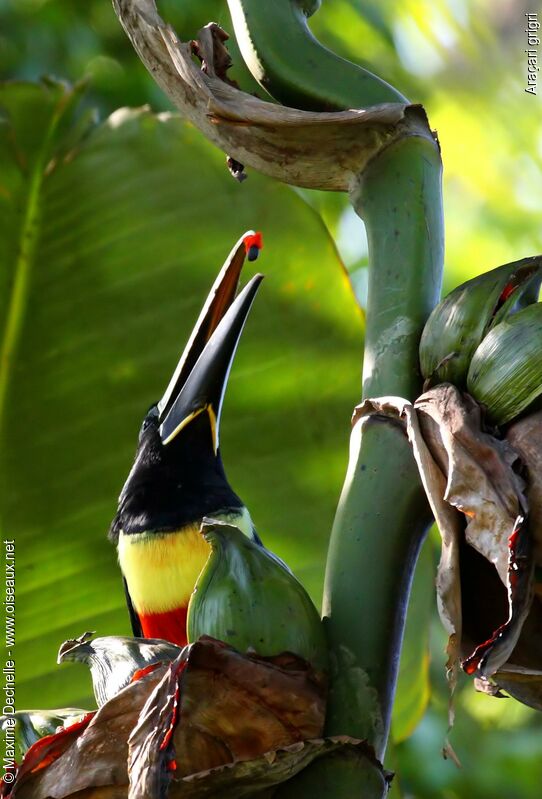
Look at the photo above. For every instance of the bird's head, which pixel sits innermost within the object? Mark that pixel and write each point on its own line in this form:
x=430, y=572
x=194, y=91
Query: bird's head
x=177, y=476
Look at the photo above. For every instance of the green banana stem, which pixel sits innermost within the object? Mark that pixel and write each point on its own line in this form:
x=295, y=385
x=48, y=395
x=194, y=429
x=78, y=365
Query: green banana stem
x=399, y=198
x=382, y=513
x=291, y=64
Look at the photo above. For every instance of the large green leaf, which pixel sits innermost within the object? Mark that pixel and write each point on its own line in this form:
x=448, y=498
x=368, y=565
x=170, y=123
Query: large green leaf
x=111, y=243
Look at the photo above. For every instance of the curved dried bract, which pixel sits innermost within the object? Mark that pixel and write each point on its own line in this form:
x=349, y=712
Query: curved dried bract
x=309, y=149
x=83, y=757
x=478, y=502
x=222, y=707
x=525, y=436
x=188, y=726
x=481, y=482
x=29, y=726
x=250, y=777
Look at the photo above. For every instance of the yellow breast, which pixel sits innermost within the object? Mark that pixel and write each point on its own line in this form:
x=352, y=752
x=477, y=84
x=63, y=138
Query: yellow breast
x=161, y=569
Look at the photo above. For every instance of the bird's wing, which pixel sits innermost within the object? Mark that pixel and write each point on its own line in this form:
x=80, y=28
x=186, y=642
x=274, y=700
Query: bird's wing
x=134, y=618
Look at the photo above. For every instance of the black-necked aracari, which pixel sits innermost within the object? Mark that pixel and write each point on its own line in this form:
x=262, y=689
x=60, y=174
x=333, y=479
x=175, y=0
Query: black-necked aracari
x=177, y=477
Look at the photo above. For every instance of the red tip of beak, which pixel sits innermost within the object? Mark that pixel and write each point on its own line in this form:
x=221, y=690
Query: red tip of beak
x=253, y=244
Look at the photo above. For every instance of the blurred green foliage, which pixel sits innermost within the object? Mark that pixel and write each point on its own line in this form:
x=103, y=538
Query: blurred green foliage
x=465, y=60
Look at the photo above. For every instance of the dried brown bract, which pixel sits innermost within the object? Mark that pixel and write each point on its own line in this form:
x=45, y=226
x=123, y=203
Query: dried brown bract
x=310, y=149
x=213, y=721
x=486, y=495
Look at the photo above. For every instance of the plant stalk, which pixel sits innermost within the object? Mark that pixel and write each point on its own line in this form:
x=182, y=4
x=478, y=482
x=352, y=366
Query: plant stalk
x=294, y=67
x=382, y=513
x=399, y=199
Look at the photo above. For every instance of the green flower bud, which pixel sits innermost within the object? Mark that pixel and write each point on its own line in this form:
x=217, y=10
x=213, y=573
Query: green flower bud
x=248, y=598
x=460, y=322
x=505, y=373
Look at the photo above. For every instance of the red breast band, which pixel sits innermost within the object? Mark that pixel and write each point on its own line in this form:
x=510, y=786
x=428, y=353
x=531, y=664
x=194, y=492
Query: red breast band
x=170, y=626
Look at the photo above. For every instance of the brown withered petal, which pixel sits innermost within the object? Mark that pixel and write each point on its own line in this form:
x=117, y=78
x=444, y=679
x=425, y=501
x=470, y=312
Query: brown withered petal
x=496, y=650
x=525, y=436
x=213, y=708
x=223, y=707
x=282, y=700
x=481, y=482
x=521, y=676
x=298, y=147
x=245, y=778
x=96, y=756
x=45, y=751
x=485, y=577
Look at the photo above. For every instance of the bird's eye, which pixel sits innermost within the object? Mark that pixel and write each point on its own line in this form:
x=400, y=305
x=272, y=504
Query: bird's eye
x=150, y=419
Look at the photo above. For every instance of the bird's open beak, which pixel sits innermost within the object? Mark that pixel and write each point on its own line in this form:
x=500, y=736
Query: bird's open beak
x=199, y=381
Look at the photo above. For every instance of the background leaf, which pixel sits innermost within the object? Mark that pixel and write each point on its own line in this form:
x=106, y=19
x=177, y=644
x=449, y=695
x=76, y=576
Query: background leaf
x=132, y=225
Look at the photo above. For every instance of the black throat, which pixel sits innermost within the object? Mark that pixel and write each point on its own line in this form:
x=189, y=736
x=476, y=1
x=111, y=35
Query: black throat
x=175, y=485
